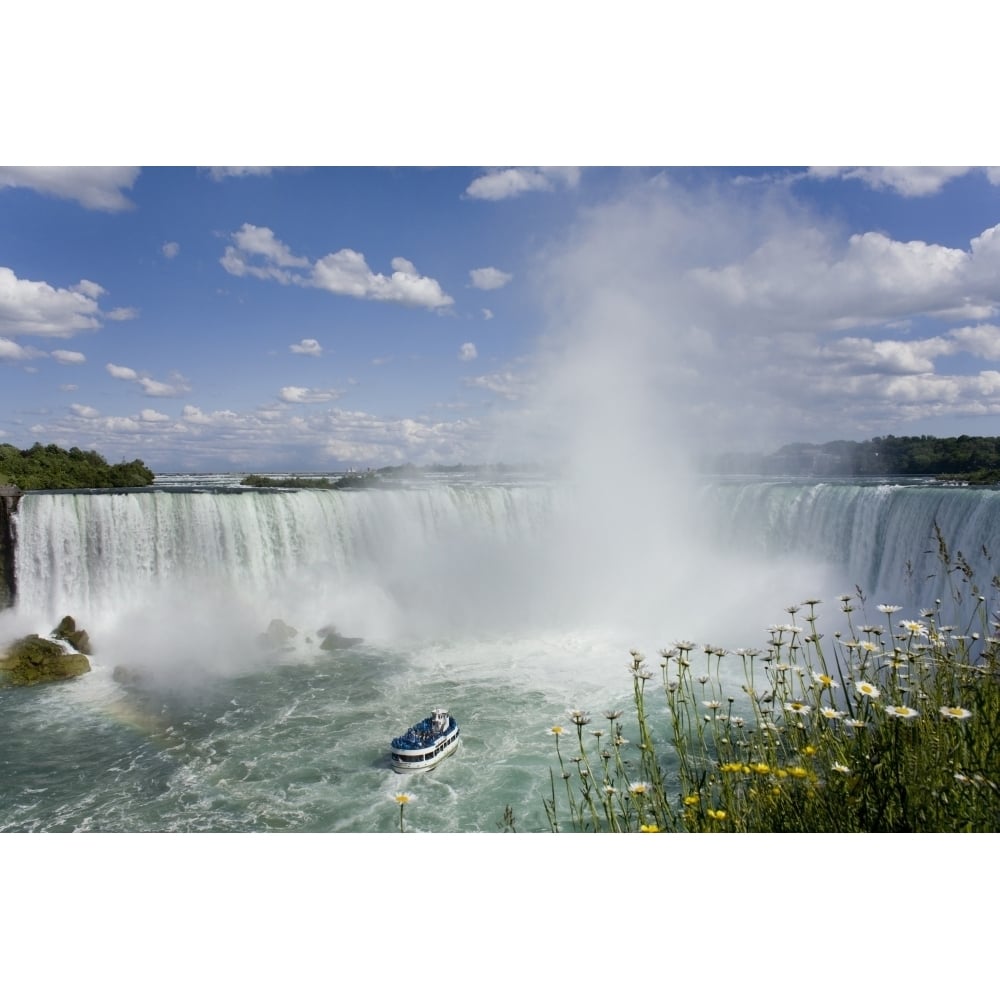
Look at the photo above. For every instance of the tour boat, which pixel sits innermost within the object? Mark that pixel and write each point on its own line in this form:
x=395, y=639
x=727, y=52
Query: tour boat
x=422, y=746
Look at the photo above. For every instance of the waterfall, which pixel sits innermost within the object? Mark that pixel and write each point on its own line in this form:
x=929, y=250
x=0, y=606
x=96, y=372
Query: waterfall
x=362, y=560
x=880, y=537
x=160, y=566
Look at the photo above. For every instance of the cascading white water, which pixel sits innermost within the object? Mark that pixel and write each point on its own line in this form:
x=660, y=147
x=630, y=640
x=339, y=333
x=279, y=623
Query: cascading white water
x=376, y=563
x=880, y=537
x=185, y=572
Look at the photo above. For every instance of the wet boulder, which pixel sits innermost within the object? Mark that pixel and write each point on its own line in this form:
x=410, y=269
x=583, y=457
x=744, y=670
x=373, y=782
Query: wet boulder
x=278, y=633
x=76, y=637
x=34, y=660
x=332, y=639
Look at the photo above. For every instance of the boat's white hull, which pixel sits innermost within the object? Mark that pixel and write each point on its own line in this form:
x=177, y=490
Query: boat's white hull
x=425, y=759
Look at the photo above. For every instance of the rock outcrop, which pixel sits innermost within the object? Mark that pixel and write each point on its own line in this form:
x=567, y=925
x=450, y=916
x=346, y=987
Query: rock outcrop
x=332, y=639
x=34, y=660
x=278, y=633
x=77, y=638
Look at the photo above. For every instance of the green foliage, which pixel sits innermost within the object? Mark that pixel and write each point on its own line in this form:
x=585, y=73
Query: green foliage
x=351, y=480
x=49, y=467
x=892, y=727
x=956, y=458
x=288, y=482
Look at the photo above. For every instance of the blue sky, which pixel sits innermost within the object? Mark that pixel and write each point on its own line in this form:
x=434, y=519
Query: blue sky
x=320, y=318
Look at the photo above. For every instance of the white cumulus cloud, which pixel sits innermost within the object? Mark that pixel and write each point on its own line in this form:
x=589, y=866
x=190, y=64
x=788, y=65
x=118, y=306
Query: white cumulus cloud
x=122, y=313
x=982, y=341
x=221, y=173
x=12, y=351
x=35, y=307
x=69, y=357
x=346, y=272
x=506, y=384
x=804, y=278
x=195, y=415
x=467, y=352
x=910, y=182
x=488, y=278
x=151, y=387
x=99, y=188
x=299, y=394
x=251, y=241
x=87, y=412
x=307, y=346
x=89, y=288
x=501, y=183
x=120, y=371
x=256, y=251
x=177, y=386
x=170, y=250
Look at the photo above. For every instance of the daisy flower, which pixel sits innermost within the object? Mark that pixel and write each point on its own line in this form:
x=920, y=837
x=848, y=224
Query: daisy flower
x=798, y=707
x=403, y=798
x=556, y=731
x=889, y=609
x=954, y=712
x=638, y=787
x=842, y=768
x=830, y=713
x=913, y=627
x=868, y=690
x=901, y=711
x=825, y=680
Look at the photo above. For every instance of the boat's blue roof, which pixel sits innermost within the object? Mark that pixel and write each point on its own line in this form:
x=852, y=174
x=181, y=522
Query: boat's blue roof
x=422, y=735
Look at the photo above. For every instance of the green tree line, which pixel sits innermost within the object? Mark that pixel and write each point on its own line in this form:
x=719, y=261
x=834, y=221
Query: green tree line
x=49, y=467
x=974, y=458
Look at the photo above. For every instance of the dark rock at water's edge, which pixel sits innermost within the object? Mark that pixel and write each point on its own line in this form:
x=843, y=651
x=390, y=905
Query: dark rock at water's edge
x=278, y=633
x=34, y=660
x=9, y=497
x=68, y=632
x=332, y=639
